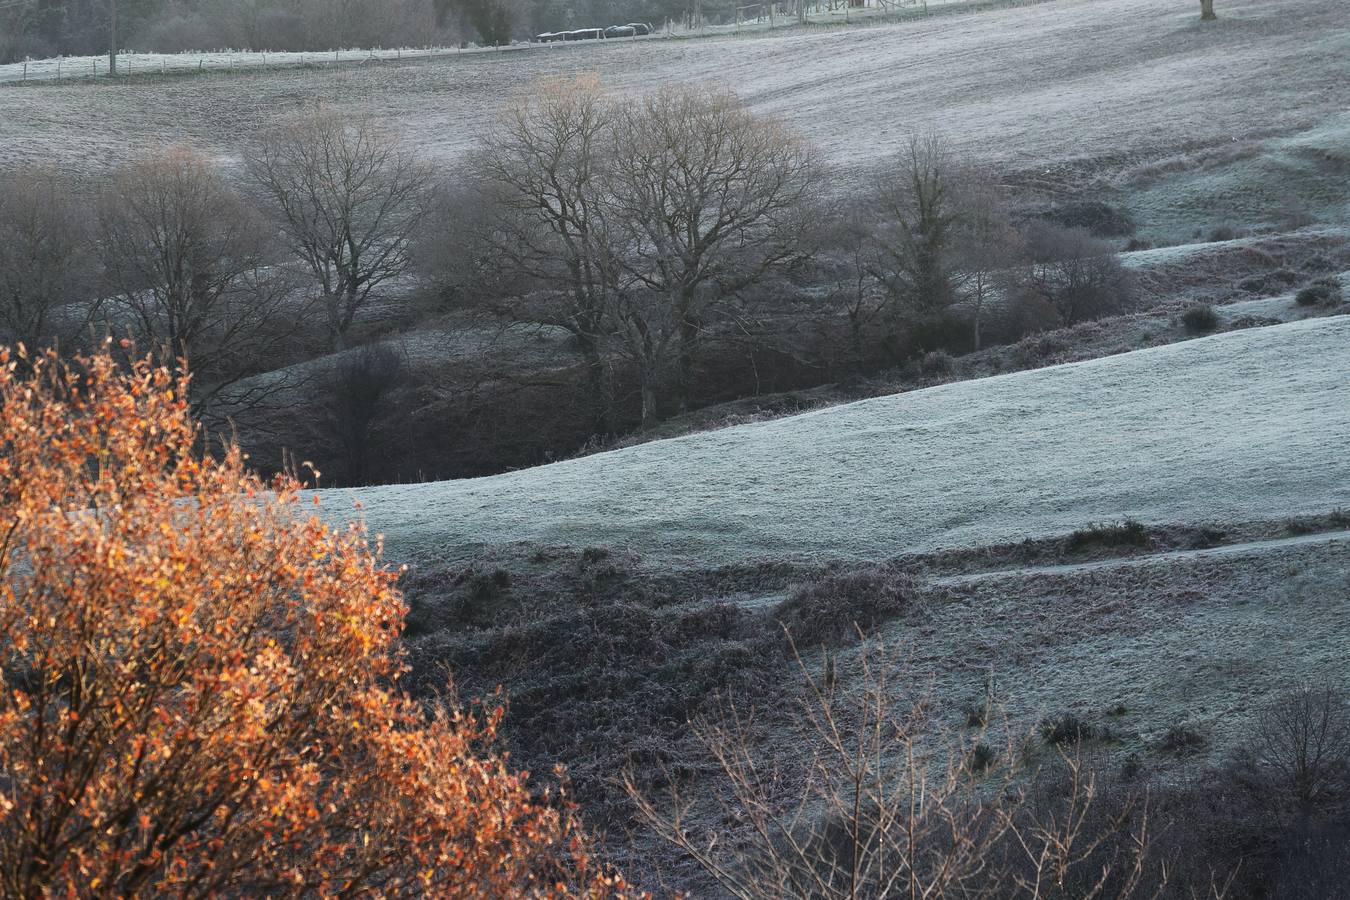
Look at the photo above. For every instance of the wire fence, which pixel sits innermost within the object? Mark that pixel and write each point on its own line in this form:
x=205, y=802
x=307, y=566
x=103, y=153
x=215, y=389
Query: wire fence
x=761, y=16
x=73, y=67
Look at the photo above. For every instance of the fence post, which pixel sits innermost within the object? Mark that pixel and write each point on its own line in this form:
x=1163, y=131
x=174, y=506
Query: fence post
x=25, y=70
x=95, y=68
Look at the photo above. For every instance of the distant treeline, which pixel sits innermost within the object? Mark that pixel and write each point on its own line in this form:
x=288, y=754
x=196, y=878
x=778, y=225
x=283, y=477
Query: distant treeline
x=45, y=28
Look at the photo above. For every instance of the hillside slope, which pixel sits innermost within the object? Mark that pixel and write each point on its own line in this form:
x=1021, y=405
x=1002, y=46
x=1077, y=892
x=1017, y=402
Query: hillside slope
x=1245, y=425
x=1118, y=80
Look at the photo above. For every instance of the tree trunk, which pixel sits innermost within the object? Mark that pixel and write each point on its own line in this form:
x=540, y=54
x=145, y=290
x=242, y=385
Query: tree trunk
x=337, y=333
x=688, y=338
x=648, y=380
x=856, y=342
x=597, y=386
x=1207, y=10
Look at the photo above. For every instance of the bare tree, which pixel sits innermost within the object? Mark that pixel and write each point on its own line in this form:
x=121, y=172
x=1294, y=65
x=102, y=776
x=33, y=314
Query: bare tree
x=541, y=168
x=349, y=198
x=45, y=277
x=863, y=301
x=1207, y=10
x=705, y=198
x=1299, y=753
x=935, y=232
x=985, y=244
x=1078, y=275
x=888, y=807
x=916, y=219
x=188, y=262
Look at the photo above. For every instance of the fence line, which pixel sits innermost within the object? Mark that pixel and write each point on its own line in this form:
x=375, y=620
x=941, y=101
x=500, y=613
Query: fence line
x=772, y=12
x=79, y=67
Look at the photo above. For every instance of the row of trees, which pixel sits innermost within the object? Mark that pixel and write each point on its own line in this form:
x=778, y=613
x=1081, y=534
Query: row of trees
x=43, y=28
x=648, y=228
x=629, y=220
x=192, y=266
x=639, y=225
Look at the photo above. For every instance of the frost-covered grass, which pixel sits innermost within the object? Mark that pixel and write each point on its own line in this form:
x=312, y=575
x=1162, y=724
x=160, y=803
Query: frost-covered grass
x=1244, y=425
x=1026, y=87
x=133, y=64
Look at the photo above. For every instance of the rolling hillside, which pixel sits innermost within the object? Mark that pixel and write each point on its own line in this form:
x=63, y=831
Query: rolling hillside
x=1240, y=426
x=1087, y=82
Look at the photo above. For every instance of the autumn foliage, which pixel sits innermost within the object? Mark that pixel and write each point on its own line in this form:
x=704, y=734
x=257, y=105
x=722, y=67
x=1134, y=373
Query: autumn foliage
x=199, y=681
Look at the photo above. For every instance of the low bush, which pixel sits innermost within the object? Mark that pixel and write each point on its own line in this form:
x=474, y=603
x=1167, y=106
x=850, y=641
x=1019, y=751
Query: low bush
x=1067, y=729
x=1200, y=319
x=1221, y=233
x=1269, y=282
x=830, y=611
x=936, y=364
x=977, y=714
x=981, y=757
x=1093, y=216
x=1324, y=291
x=1182, y=740
x=1124, y=534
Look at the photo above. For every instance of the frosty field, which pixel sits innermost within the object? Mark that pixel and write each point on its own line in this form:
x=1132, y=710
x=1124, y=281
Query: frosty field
x=1244, y=425
x=1127, y=82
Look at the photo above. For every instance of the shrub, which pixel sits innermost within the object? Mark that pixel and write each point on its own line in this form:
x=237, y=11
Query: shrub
x=483, y=593
x=1322, y=291
x=1080, y=276
x=1093, y=216
x=1298, y=758
x=936, y=363
x=1067, y=729
x=1200, y=319
x=1269, y=282
x=887, y=807
x=1181, y=740
x=981, y=757
x=977, y=714
x=1221, y=233
x=829, y=611
x=222, y=669
x=593, y=555
x=1125, y=534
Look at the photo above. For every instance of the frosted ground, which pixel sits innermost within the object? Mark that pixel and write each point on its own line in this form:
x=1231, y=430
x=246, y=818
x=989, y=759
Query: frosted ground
x=1127, y=82
x=1240, y=426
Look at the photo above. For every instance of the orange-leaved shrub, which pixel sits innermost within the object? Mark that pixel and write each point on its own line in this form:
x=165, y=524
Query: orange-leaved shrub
x=199, y=682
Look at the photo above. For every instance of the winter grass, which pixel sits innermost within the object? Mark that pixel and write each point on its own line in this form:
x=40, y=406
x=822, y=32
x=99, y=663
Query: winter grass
x=1048, y=85
x=1243, y=425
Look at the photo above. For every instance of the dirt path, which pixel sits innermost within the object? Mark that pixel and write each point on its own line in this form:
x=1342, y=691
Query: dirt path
x=1327, y=537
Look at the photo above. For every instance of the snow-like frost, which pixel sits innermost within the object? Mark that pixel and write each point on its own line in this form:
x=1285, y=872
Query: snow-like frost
x=1245, y=425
